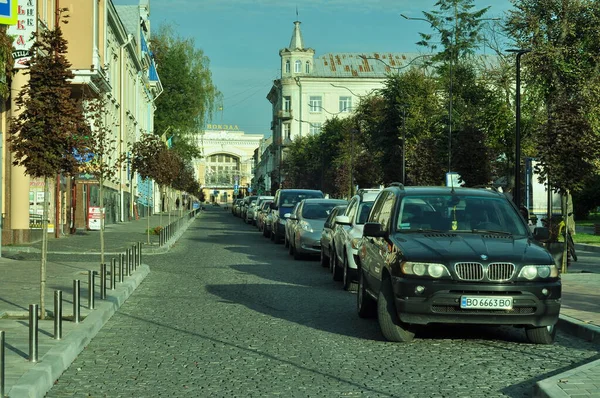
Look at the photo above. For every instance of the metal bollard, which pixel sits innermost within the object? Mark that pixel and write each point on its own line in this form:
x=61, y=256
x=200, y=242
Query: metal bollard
x=33, y=332
x=160, y=237
x=113, y=276
x=58, y=315
x=139, y=253
x=91, y=282
x=127, y=262
x=76, y=308
x=2, y=366
x=121, y=267
x=134, y=257
x=102, y=281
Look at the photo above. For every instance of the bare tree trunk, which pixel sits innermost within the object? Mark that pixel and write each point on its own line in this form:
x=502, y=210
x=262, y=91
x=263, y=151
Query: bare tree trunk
x=44, y=250
x=101, y=204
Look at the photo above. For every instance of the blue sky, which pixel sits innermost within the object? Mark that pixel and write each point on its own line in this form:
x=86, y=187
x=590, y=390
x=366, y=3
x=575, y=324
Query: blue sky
x=242, y=39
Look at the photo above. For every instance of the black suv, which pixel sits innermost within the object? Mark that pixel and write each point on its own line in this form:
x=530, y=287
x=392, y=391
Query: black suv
x=455, y=255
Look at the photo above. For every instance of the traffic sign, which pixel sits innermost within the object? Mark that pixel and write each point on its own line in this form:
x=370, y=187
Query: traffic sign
x=235, y=186
x=8, y=12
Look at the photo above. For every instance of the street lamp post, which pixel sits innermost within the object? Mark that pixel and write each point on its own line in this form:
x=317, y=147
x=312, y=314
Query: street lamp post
x=517, y=190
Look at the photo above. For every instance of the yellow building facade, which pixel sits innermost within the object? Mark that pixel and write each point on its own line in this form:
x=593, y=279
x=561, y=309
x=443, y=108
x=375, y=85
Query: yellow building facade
x=109, y=56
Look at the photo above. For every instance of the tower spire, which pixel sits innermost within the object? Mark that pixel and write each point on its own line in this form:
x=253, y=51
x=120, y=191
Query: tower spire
x=297, y=43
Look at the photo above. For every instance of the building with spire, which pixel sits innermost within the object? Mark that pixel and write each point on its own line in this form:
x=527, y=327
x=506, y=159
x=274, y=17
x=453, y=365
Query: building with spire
x=312, y=90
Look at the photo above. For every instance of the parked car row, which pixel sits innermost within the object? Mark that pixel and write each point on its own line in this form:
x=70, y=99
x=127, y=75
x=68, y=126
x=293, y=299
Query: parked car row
x=419, y=256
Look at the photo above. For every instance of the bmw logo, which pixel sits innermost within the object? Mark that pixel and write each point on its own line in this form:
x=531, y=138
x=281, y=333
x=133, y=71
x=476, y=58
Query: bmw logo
x=484, y=257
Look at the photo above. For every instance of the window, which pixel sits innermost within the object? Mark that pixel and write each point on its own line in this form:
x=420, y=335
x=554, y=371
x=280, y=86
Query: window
x=345, y=104
x=287, y=66
x=221, y=169
x=315, y=103
x=298, y=66
x=315, y=128
x=287, y=104
x=287, y=131
x=307, y=67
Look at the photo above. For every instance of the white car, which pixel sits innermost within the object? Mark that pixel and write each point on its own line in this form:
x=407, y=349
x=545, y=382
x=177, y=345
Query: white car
x=346, y=234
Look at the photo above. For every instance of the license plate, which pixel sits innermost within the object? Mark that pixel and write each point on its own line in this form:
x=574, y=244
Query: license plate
x=487, y=303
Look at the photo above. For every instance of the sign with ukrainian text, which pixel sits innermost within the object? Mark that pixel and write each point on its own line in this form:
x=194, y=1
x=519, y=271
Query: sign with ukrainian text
x=22, y=30
x=230, y=127
x=8, y=12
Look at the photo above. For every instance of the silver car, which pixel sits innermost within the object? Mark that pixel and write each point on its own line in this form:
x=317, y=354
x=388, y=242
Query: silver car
x=327, y=234
x=348, y=231
x=309, y=219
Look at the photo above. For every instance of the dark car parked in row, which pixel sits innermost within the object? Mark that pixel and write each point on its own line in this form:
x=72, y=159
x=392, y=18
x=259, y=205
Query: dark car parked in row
x=455, y=255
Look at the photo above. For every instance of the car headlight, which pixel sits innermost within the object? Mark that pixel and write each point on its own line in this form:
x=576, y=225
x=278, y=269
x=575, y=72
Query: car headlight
x=531, y=272
x=432, y=270
x=354, y=242
x=306, y=226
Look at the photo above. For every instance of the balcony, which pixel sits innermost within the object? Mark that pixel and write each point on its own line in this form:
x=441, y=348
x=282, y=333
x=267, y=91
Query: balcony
x=284, y=115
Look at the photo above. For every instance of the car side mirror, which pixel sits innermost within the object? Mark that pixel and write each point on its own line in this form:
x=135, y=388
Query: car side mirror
x=374, y=229
x=287, y=215
x=541, y=234
x=293, y=217
x=273, y=206
x=343, y=220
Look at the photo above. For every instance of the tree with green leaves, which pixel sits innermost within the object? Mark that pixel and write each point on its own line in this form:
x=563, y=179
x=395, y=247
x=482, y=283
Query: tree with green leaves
x=104, y=160
x=47, y=135
x=562, y=72
x=189, y=93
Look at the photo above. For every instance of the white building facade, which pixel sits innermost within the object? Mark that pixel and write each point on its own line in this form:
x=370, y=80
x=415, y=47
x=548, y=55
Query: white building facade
x=226, y=167
x=312, y=90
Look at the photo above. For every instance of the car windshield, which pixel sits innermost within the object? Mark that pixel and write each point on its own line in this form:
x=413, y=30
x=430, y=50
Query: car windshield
x=317, y=211
x=459, y=213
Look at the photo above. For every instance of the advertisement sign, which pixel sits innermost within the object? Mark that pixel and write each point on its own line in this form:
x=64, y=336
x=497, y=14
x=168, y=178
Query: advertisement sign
x=22, y=30
x=95, y=218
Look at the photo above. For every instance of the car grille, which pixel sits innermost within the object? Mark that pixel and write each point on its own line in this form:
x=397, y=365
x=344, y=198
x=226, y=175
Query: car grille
x=496, y=272
x=450, y=309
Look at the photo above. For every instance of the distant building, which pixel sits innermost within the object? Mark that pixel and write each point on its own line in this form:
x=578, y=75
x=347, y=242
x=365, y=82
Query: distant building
x=312, y=90
x=226, y=167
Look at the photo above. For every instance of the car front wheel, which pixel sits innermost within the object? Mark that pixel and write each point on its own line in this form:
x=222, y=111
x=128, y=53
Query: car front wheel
x=336, y=270
x=324, y=258
x=541, y=335
x=349, y=284
x=389, y=322
x=365, y=304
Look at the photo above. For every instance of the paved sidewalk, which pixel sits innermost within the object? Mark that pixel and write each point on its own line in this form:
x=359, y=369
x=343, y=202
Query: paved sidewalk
x=19, y=287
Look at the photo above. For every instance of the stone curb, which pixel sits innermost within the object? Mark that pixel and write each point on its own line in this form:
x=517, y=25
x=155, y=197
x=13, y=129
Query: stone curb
x=587, y=248
x=40, y=379
x=548, y=388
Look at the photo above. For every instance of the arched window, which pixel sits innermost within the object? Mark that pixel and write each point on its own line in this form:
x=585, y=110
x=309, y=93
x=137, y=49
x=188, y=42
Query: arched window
x=287, y=66
x=298, y=66
x=222, y=170
x=307, y=67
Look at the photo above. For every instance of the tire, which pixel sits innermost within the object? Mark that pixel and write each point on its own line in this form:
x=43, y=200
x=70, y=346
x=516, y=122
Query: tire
x=272, y=237
x=391, y=327
x=324, y=258
x=541, y=335
x=365, y=305
x=297, y=256
x=290, y=247
x=337, y=270
x=286, y=243
x=348, y=283
x=331, y=256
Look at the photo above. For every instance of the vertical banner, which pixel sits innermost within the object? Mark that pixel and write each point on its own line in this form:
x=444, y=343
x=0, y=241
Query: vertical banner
x=23, y=30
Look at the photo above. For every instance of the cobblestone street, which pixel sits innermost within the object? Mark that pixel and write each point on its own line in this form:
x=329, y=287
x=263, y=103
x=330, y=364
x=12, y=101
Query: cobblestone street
x=227, y=313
